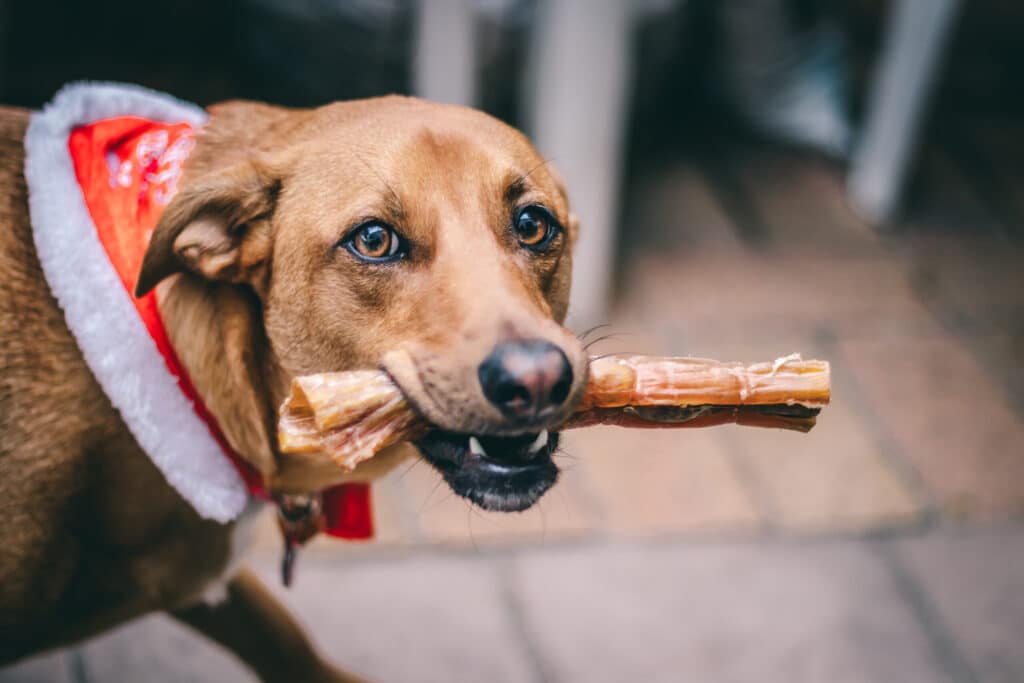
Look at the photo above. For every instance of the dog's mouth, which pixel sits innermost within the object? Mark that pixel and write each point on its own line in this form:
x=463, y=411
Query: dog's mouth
x=503, y=474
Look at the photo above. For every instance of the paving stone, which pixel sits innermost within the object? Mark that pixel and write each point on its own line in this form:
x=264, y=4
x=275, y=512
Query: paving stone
x=949, y=419
x=1003, y=144
x=728, y=613
x=445, y=518
x=833, y=478
x=1003, y=358
x=974, y=287
x=802, y=204
x=390, y=526
x=157, y=649
x=674, y=206
x=942, y=199
x=975, y=580
x=754, y=295
x=662, y=481
x=48, y=668
x=419, y=619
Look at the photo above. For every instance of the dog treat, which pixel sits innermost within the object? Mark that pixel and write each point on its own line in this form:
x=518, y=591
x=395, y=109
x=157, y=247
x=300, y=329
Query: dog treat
x=352, y=416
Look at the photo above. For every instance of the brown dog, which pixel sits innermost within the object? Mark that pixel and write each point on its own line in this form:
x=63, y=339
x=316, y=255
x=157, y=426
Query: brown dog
x=431, y=240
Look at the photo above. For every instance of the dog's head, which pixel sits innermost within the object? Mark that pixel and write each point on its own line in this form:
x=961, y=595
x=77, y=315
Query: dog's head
x=430, y=240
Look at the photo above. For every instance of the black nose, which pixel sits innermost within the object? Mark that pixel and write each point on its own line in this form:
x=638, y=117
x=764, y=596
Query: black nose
x=526, y=379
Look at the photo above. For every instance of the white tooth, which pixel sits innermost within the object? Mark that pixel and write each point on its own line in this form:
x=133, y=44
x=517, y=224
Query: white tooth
x=540, y=442
x=475, y=447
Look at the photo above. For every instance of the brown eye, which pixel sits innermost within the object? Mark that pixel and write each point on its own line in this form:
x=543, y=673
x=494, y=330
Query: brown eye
x=375, y=242
x=535, y=228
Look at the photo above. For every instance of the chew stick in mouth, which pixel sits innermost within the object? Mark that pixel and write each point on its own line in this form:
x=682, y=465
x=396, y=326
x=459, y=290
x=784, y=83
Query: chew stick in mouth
x=352, y=416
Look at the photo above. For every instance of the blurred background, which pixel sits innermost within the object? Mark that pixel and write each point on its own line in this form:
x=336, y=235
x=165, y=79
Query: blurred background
x=754, y=178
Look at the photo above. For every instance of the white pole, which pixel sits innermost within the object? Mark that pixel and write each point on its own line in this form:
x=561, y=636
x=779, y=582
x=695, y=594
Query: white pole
x=445, y=61
x=576, y=98
x=915, y=39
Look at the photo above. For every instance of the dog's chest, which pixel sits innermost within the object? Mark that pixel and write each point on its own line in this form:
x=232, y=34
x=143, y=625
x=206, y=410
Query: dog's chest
x=240, y=545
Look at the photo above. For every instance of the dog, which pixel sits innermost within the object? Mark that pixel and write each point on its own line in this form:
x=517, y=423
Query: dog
x=432, y=241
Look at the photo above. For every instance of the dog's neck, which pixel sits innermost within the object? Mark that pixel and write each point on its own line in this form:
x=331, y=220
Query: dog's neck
x=216, y=332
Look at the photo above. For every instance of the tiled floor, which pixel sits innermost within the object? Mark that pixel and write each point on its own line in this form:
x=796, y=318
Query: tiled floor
x=886, y=545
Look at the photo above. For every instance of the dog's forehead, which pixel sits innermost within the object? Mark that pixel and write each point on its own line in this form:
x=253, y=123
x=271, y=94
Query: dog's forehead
x=414, y=145
x=416, y=165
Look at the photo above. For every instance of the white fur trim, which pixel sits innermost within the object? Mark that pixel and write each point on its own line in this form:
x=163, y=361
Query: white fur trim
x=98, y=310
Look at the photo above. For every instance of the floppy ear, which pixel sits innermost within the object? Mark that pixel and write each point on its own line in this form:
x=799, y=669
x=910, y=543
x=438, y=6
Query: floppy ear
x=217, y=227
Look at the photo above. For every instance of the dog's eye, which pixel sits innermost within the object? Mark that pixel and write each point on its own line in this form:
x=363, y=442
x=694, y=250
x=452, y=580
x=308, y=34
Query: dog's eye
x=535, y=228
x=375, y=242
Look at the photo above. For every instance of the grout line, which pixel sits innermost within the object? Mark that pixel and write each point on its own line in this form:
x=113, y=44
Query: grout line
x=944, y=646
x=973, y=169
x=974, y=341
x=739, y=208
x=751, y=484
x=863, y=408
x=687, y=540
x=517, y=616
x=737, y=205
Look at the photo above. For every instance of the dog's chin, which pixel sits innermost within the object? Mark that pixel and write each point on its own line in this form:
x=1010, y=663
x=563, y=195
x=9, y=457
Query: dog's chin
x=503, y=474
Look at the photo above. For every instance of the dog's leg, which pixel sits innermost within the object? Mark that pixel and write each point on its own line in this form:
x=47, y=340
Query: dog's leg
x=254, y=625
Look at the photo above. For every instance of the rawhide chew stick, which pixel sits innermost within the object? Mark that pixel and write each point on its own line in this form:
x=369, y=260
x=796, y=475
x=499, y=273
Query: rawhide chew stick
x=352, y=416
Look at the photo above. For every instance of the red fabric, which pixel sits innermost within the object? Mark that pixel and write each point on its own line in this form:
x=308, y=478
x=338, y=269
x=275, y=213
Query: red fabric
x=128, y=170
x=347, y=511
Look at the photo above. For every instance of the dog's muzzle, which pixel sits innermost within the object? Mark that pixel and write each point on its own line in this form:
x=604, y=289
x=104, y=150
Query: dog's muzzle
x=503, y=474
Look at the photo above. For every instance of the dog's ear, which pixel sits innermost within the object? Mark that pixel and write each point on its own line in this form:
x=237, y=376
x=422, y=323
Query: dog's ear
x=217, y=227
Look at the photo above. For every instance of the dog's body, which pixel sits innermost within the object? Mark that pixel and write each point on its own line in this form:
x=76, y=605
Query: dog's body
x=94, y=535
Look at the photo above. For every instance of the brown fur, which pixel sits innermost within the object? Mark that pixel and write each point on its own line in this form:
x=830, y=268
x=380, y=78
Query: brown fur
x=255, y=290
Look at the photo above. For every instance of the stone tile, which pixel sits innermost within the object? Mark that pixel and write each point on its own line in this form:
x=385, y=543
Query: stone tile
x=49, y=668
x=942, y=199
x=801, y=202
x=727, y=613
x=1003, y=145
x=735, y=342
x=157, y=649
x=445, y=518
x=1003, y=358
x=834, y=477
x=975, y=580
x=420, y=619
x=673, y=205
x=949, y=419
x=754, y=295
x=972, y=286
x=661, y=481
x=389, y=504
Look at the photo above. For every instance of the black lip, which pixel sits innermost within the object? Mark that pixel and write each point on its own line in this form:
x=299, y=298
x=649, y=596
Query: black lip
x=507, y=479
